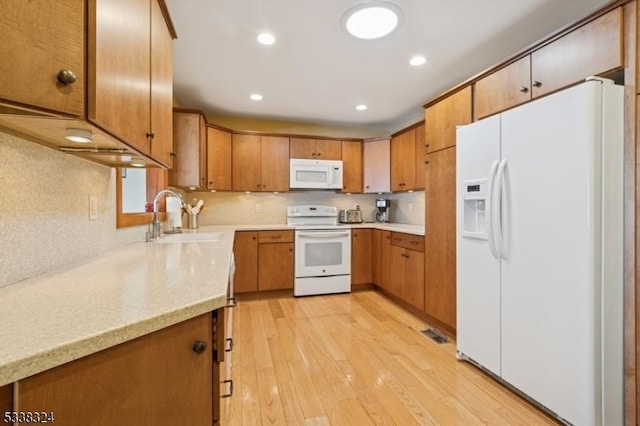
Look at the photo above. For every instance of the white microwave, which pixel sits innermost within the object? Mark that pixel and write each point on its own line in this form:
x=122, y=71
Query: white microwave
x=315, y=174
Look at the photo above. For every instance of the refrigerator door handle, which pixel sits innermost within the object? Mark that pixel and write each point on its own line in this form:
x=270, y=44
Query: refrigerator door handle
x=490, y=210
x=496, y=196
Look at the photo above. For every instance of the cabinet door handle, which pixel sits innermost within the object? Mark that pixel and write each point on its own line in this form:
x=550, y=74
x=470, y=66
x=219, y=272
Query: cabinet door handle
x=536, y=83
x=229, y=348
x=227, y=395
x=199, y=346
x=258, y=186
x=151, y=135
x=173, y=154
x=524, y=89
x=66, y=77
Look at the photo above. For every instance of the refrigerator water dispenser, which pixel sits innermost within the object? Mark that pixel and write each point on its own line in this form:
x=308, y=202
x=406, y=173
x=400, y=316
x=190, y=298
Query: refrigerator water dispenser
x=475, y=218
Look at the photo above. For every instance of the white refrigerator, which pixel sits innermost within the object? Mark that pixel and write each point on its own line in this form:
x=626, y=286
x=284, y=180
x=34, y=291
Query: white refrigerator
x=540, y=250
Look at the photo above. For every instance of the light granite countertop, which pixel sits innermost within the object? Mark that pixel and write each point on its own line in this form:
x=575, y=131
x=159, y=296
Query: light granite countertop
x=395, y=227
x=63, y=315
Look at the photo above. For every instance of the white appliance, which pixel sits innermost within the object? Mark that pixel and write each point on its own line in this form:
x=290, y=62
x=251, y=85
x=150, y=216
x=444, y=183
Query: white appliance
x=322, y=251
x=539, y=250
x=315, y=174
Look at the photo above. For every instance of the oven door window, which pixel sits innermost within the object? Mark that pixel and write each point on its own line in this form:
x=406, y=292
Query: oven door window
x=323, y=254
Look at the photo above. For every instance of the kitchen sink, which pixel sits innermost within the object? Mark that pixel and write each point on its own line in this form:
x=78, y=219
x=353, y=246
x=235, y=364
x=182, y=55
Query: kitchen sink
x=204, y=237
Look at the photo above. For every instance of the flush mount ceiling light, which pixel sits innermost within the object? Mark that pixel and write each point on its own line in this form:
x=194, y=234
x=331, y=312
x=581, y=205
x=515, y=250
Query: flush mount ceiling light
x=137, y=163
x=418, y=60
x=79, y=135
x=361, y=107
x=371, y=20
x=266, y=39
x=256, y=97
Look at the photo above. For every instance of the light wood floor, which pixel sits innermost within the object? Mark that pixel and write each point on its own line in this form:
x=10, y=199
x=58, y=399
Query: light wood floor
x=355, y=359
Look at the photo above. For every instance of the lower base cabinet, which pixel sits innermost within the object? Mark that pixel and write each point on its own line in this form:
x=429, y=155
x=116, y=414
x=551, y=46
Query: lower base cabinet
x=407, y=270
x=264, y=261
x=361, y=256
x=162, y=378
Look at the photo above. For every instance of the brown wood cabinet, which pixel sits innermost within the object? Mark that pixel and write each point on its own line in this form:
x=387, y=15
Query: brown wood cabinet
x=377, y=165
x=361, y=256
x=352, y=166
x=440, y=242
x=264, y=260
x=218, y=159
x=6, y=398
x=442, y=118
x=503, y=89
x=119, y=67
x=190, y=140
x=421, y=157
x=40, y=39
x=316, y=149
x=260, y=163
x=107, y=63
x=161, y=87
x=403, y=157
x=593, y=49
x=159, y=378
x=245, y=250
x=407, y=275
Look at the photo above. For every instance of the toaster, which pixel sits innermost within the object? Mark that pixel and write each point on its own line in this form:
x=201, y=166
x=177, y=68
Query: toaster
x=350, y=216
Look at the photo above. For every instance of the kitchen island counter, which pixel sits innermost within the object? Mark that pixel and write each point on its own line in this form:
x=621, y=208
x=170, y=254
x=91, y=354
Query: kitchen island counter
x=66, y=314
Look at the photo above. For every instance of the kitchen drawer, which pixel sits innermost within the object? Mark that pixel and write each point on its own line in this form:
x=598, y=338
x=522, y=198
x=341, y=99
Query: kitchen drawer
x=282, y=236
x=409, y=241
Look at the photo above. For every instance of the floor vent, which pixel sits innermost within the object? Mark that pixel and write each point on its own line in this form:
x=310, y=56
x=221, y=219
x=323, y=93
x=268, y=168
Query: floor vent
x=435, y=335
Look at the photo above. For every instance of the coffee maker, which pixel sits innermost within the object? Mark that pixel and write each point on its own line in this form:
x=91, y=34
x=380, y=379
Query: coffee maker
x=383, y=205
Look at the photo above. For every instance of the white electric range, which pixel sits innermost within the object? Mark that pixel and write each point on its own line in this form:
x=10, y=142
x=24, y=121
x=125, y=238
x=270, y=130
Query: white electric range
x=322, y=251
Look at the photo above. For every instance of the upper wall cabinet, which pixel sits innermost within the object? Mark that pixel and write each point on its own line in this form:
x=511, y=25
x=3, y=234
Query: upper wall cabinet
x=352, y=170
x=190, y=141
x=260, y=163
x=377, y=162
x=503, y=89
x=125, y=48
x=442, y=118
x=315, y=149
x=403, y=154
x=593, y=49
x=42, y=53
x=218, y=159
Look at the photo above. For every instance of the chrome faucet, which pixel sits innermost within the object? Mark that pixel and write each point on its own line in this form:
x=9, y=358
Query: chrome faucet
x=155, y=226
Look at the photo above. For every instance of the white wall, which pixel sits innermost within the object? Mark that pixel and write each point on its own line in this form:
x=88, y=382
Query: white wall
x=44, y=210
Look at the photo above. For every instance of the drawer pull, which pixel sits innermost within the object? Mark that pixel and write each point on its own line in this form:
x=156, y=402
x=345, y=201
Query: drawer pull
x=229, y=348
x=199, y=346
x=227, y=395
x=66, y=77
x=524, y=89
x=536, y=84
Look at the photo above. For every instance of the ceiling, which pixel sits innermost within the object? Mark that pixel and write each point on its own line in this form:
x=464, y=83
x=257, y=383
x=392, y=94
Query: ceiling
x=317, y=73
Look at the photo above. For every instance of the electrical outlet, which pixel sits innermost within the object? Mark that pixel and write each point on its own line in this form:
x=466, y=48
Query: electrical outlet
x=258, y=208
x=93, y=207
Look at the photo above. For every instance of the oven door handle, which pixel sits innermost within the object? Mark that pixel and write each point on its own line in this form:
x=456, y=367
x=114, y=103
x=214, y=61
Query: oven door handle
x=323, y=234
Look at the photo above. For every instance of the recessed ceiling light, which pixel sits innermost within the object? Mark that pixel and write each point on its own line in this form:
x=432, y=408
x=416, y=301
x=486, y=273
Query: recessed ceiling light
x=78, y=135
x=361, y=107
x=266, y=39
x=256, y=97
x=372, y=20
x=418, y=60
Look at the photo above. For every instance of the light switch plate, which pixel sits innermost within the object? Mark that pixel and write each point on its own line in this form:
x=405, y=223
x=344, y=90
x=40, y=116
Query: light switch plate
x=93, y=207
x=258, y=207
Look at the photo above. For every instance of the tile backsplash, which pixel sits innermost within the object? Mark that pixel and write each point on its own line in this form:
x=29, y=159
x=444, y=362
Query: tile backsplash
x=228, y=208
x=44, y=210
